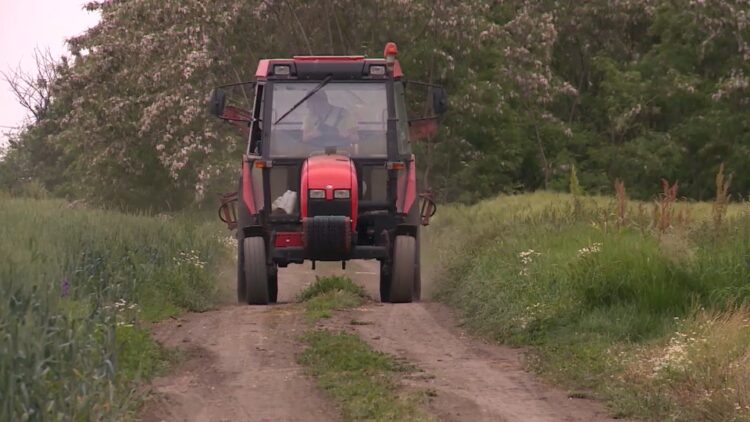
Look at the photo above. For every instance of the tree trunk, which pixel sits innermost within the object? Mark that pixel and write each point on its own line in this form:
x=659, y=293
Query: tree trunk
x=543, y=156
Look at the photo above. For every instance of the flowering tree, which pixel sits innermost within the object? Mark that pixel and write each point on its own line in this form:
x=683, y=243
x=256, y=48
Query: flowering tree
x=632, y=89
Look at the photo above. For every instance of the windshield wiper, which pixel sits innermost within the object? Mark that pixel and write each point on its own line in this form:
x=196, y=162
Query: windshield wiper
x=322, y=83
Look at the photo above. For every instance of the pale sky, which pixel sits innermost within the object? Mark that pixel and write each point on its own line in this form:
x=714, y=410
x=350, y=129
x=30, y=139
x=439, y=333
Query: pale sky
x=26, y=24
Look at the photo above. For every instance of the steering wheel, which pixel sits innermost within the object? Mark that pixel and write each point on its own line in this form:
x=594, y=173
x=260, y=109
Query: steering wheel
x=327, y=141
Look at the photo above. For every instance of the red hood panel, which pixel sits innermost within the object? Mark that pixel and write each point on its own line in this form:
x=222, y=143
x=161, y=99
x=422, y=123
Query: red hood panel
x=329, y=170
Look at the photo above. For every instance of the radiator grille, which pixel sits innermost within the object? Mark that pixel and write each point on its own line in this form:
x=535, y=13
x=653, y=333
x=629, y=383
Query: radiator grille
x=316, y=207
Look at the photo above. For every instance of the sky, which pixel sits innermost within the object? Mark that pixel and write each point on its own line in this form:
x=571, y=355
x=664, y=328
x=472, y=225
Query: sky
x=28, y=24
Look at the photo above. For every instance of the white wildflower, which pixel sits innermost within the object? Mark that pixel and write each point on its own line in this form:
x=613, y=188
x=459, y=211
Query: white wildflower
x=228, y=241
x=189, y=258
x=527, y=257
x=590, y=250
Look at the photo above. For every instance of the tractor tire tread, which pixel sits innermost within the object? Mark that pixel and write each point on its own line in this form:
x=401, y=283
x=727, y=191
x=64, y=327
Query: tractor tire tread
x=256, y=271
x=404, y=265
x=241, y=283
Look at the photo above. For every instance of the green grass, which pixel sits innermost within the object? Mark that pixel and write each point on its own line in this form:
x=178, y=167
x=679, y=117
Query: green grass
x=329, y=284
x=76, y=287
x=363, y=382
x=595, y=300
x=329, y=294
x=138, y=356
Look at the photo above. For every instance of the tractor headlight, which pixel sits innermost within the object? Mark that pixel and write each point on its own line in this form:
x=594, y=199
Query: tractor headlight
x=281, y=70
x=341, y=194
x=377, y=70
x=317, y=194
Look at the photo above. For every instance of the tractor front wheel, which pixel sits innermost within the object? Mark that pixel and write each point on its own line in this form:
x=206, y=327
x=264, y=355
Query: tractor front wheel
x=385, y=282
x=417, y=272
x=241, y=285
x=273, y=283
x=256, y=271
x=404, y=270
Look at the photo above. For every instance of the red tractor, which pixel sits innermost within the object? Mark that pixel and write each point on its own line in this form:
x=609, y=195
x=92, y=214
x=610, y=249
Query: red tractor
x=328, y=174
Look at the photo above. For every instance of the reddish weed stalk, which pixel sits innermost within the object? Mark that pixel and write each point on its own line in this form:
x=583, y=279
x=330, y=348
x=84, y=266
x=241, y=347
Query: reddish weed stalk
x=721, y=203
x=664, y=206
x=684, y=217
x=622, y=202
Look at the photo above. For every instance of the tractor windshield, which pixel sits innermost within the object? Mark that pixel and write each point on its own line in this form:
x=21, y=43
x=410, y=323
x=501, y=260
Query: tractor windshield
x=350, y=118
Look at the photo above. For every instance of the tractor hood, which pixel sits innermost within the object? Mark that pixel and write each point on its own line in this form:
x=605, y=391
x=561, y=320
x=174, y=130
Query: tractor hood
x=329, y=172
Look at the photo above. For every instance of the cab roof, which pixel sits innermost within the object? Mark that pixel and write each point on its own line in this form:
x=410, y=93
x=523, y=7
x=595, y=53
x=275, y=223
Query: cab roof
x=318, y=67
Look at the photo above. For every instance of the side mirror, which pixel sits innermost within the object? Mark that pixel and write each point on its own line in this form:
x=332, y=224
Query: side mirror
x=439, y=100
x=217, y=102
x=423, y=129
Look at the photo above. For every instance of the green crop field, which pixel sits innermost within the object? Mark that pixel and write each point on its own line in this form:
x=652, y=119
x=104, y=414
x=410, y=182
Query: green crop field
x=77, y=290
x=641, y=304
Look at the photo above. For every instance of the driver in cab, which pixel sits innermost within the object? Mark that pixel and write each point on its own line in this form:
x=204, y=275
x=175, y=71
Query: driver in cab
x=326, y=122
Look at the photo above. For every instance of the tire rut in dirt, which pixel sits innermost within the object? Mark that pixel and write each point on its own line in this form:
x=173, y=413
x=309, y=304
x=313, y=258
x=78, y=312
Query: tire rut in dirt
x=240, y=365
x=473, y=380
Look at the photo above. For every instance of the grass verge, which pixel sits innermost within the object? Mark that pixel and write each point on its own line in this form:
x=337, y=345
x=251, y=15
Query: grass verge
x=329, y=294
x=363, y=382
x=77, y=290
x=646, y=315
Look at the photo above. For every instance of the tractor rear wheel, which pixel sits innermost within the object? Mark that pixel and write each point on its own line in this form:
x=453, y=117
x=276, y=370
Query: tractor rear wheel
x=256, y=271
x=417, y=272
x=404, y=265
x=273, y=283
x=241, y=285
x=385, y=282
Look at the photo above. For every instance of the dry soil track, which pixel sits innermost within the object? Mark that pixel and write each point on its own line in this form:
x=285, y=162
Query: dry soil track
x=241, y=366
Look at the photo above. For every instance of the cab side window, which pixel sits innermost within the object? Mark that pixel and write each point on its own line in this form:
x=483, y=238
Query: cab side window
x=256, y=130
x=404, y=147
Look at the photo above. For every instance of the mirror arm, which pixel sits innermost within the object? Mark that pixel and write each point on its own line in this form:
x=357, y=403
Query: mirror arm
x=430, y=85
x=419, y=119
x=237, y=84
x=233, y=119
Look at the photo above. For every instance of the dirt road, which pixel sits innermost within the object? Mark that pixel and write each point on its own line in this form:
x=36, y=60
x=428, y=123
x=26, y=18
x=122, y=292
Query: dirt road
x=241, y=363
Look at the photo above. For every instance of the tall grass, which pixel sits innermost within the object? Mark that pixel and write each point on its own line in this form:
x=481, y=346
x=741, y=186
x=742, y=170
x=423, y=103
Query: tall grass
x=75, y=286
x=591, y=288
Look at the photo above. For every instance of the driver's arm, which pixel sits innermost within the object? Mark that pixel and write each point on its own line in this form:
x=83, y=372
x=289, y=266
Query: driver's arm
x=348, y=126
x=309, y=129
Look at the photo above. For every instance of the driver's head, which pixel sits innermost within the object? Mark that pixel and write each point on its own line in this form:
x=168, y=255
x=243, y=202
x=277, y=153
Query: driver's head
x=318, y=102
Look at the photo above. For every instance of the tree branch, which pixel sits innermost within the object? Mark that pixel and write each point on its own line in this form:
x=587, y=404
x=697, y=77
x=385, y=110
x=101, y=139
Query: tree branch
x=33, y=91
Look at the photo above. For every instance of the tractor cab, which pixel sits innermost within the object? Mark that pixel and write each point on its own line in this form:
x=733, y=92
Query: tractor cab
x=328, y=173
